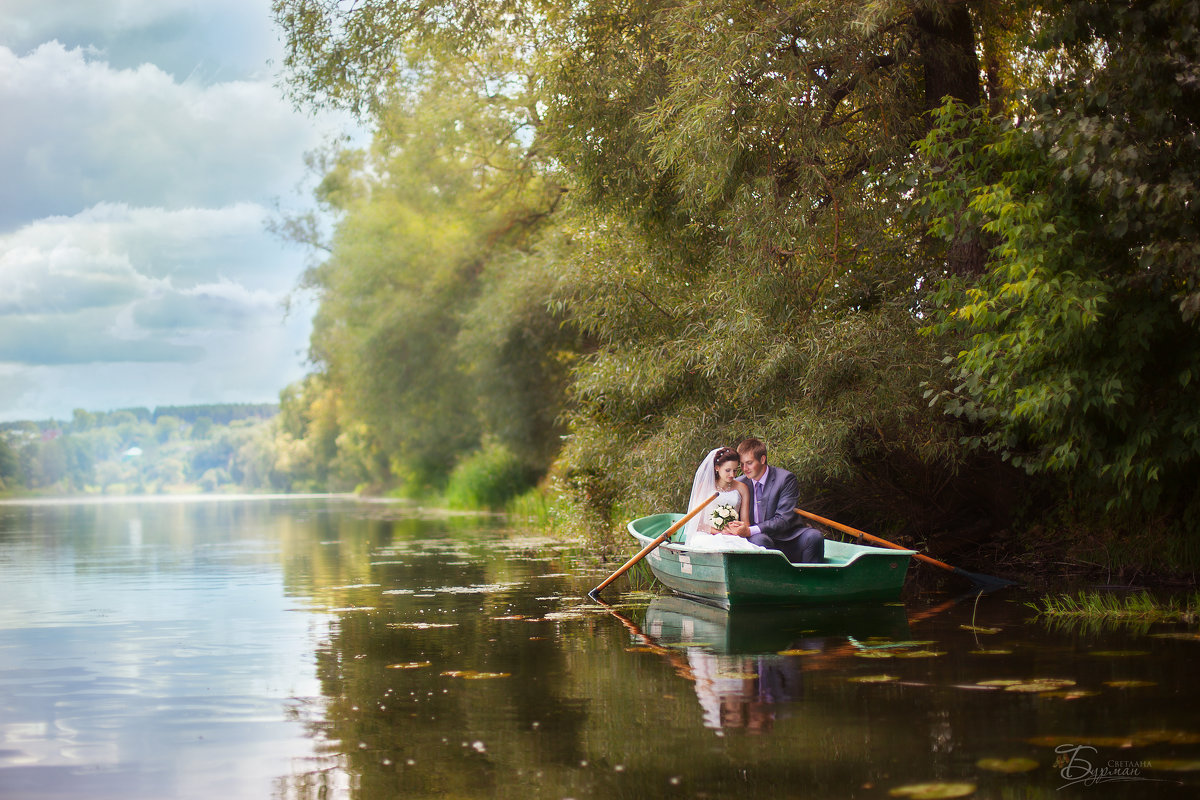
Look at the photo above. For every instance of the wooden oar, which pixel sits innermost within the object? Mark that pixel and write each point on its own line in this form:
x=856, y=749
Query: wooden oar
x=642, y=554
x=983, y=580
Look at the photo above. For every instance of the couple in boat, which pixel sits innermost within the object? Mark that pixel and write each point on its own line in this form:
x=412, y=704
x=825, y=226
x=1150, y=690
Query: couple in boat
x=751, y=512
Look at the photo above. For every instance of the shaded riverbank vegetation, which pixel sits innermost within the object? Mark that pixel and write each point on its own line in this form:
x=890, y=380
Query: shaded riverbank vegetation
x=941, y=256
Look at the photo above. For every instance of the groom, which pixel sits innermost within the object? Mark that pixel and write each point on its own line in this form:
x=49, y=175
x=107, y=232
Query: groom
x=774, y=522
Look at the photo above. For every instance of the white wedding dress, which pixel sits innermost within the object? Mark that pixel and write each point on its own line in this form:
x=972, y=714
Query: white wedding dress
x=703, y=486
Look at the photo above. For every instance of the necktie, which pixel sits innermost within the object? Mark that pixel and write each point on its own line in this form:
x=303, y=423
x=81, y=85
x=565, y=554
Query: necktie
x=757, y=502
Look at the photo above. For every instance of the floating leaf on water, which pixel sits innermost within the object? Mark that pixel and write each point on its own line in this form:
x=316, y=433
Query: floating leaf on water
x=1000, y=682
x=411, y=665
x=1131, y=684
x=1040, y=685
x=874, y=654
x=872, y=679
x=473, y=675
x=1119, y=653
x=1007, y=764
x=921, y=654
x=1069, y=694
x=940, y=790
x=509, y=616
x=1172, y=765
x=798, y=652
x=1191, y=637
x=998, y=652
x=977, y=629
x=1167, y=737
x=1095, y=741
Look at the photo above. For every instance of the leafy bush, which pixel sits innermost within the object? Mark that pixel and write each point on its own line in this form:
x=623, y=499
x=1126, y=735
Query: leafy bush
x=488, y=478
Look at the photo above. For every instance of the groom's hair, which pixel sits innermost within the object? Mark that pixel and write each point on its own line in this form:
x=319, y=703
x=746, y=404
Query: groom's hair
x=754, y=448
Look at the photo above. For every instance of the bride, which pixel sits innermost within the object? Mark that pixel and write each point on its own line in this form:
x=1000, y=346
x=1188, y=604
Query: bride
x=717, y=473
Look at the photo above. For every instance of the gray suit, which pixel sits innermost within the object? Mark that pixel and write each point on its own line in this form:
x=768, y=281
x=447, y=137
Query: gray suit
x=780, y=527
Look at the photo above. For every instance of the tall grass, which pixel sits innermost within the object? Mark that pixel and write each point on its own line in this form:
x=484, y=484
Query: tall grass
x=488, y=478
x=1139, y=607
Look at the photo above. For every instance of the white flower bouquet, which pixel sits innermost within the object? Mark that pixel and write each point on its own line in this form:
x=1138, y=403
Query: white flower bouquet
x=721, y=516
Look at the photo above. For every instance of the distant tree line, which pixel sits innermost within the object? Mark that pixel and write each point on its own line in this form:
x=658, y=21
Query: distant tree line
x=215, y=447
x=941, y=256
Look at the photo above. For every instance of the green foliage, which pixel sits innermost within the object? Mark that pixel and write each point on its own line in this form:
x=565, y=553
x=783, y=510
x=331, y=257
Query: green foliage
x=1080, y=346
x=488, y=478
x=606, y=237
x=138, y=451
x=1136, y=607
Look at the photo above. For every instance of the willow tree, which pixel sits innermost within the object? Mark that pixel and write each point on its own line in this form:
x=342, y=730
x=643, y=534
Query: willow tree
x=433, y=223
x=737, y=253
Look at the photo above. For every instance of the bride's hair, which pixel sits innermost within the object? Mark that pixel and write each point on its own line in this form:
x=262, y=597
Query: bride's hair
x=723, y=455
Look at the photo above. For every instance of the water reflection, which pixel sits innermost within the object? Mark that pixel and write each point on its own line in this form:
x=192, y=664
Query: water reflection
x=333, y=649
x=747, y=665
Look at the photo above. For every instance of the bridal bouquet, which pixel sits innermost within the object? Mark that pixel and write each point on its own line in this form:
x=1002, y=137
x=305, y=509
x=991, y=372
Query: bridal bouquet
x=721, y=516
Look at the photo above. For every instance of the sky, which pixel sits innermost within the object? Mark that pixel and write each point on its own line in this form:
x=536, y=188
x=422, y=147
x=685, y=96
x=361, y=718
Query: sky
x=144, y=147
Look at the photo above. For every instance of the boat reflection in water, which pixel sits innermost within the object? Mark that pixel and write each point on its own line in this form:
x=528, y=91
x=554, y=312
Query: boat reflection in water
x=746, y=664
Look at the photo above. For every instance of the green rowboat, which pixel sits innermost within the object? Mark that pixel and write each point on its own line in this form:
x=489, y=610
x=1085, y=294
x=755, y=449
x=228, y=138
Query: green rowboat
x=849, y=573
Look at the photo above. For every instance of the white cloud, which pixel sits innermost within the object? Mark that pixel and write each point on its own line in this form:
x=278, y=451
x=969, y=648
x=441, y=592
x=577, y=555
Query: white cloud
x=143, y=142
x=206, y=39
x=80, y=133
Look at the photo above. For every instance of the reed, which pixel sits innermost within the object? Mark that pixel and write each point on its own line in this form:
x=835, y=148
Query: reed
x=1137, y=607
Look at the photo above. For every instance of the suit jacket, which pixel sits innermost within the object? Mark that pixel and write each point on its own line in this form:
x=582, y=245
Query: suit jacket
x=780, y=495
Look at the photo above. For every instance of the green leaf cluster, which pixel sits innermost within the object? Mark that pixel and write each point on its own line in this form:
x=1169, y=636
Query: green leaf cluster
x=1080, y=342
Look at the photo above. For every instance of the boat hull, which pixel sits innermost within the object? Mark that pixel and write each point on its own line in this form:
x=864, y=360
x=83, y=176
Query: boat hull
x=850, y=573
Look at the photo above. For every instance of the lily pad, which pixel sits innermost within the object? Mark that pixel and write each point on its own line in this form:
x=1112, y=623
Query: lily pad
x=1167, y=737
x=996, y=652
x=874, y=654
x=872, y=679
x=1131, y=684
x=920, y=654
x=483, y=676
x=1069, y=694
x=1190, y=637
x=473, y=675
x=1118, y=653
x=1001, y=682
x=798, y=652
x=1007, y=764
x=1040, y=685
x=1121, y=742
x=940, y=790
x=977, y=629
x=411, y=665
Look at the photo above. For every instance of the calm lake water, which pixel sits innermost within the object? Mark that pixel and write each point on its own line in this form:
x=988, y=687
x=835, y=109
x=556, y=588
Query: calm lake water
x=330, y=648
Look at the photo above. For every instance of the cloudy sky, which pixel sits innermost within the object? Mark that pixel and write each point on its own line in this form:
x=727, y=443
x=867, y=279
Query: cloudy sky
x=143, y=148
